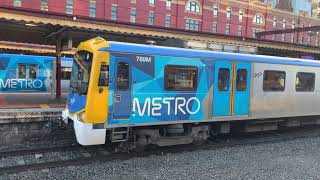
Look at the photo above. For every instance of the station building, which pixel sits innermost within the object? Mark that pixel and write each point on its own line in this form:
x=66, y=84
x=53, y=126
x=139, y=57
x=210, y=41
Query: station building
x=229, y=17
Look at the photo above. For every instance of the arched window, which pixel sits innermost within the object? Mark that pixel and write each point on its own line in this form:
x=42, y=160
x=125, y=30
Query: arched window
x=229, y=11
x=284, y=23
x=193, y=6
x=258, y=18
x=293, y=24
x=240, y=15
x=215, y=10
x=274, y=22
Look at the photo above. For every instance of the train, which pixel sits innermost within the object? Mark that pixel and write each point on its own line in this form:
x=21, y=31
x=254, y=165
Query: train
x=133, y=95
x=29, y=75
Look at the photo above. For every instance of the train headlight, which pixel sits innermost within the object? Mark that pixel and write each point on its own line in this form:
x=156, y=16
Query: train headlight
x=81, y=116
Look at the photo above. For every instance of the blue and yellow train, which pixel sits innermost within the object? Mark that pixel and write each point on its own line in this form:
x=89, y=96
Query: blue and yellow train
x=141, y=94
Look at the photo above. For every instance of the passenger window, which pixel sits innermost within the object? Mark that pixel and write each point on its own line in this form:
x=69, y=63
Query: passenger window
x=305, y=82
x=224, y=79
x=33, y=69
x=180, y=78
x=22, y=71
x=274, y=80
x=242, y=79
x=104, y=75
x=123, y=76
x=66, y=73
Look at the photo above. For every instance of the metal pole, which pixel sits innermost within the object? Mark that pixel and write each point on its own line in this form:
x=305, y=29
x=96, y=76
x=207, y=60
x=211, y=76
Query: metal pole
x=58, y=70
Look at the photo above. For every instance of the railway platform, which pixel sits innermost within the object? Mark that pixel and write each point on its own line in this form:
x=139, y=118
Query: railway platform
x=24, y=101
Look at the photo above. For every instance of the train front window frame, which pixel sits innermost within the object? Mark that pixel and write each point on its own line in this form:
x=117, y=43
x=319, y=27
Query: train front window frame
x=274, y=81
x=224, y=79
x=305, y=82
x=180, y=78
x=80, y=75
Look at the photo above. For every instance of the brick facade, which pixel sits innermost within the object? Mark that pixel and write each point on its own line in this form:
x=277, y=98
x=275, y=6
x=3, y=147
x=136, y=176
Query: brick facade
x=179, y=14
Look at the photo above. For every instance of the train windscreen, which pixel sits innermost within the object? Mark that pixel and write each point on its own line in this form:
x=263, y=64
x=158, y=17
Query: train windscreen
x=80, y=75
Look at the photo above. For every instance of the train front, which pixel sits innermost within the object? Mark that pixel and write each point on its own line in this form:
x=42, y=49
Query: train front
x=87, y=104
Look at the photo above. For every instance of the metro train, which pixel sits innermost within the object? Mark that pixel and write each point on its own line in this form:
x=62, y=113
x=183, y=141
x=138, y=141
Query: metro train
x=27, y=74
x=138, y=95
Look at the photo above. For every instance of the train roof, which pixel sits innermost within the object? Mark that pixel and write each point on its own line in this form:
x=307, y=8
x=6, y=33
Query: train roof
x=204, y=54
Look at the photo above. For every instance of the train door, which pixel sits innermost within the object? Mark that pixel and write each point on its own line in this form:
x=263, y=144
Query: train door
x=122, y=90
x=231, y=88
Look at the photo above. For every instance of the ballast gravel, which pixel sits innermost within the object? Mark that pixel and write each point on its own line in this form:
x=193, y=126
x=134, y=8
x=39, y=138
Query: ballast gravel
x=296, y=159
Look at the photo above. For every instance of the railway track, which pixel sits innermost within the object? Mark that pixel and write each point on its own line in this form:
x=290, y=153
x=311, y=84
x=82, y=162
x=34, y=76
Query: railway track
x=99, y=153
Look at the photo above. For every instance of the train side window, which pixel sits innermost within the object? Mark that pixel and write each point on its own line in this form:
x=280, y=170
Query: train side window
x=123, y=76
x=242, y=76
x=104, y=75
x=22, y=71
x=224, y=79
x=180, y=78
x=305, y=82
x=66, y=73
x=33, y=69
x=274, y=80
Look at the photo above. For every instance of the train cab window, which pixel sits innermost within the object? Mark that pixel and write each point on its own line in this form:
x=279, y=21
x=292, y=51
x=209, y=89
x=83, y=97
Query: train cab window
x=224, y=79
x=123, y=76
x=241, y=83
x=305, y=82
x=104, y=75
x=33, y=69
x=66, y=73
x=180, y=78
x=22, y=71
x=274, y=80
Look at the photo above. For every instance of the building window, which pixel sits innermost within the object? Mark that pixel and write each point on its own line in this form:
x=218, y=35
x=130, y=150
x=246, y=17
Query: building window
x=254, y=32
x=151, y=18
x=133, y=15
x=239, y=30
x=274, y=80
x=168, y=21
x=181, y=78
x=309, y=40
x=17, y=3
x=283, y=37
x=274, y=22
x=284, y=23
x=93, y=8
x=193, y=7
x=214, y=27
x=223, y=79
x=229, y=11
x=114, y=12
x=293, y=24
x=305, y=82
x=258, y=19
x=227, y=28
x=292, y=39
x=302, y=39
x=151, y=2
x=240, y=15
x=192, y=24
x=215, y=10
x=69, y=7
x=317, y=42
x=168, y=3
x=273, y=37
x=44, y=5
